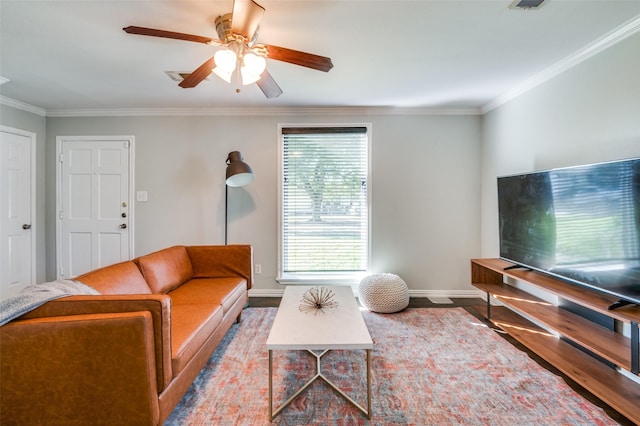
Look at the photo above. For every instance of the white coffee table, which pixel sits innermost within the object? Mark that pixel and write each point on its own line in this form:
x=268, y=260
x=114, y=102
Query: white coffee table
x=341, y=327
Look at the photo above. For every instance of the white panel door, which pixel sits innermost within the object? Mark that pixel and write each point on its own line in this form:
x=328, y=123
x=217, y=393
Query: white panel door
x=17, y=235
x=95, y=204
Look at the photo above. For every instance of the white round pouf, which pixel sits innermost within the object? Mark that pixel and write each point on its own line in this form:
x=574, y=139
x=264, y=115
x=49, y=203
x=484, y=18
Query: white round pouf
x=384, y=293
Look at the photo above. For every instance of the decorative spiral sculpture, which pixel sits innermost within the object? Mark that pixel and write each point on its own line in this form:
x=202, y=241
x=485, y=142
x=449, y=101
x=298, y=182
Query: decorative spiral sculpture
x=317, y=300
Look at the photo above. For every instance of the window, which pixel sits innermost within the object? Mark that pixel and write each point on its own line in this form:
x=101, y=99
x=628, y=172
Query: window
x=324, y=215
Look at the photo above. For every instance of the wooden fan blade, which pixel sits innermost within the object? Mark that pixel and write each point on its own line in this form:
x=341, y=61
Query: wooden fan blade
x=170, y=34
x=268, y=85
x=309, y=60
x=246, y=17
x=198, y=75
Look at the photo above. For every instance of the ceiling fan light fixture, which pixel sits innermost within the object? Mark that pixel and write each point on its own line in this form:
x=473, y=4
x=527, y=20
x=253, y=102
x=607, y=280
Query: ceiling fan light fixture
x=225, y=75
x=225, y=60
x=238, y=51
x=254, y=64
x=248, y=78
x=252, y=68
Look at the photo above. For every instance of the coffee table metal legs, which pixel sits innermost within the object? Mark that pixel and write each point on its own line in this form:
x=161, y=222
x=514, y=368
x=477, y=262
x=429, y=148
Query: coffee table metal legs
x=319, y=375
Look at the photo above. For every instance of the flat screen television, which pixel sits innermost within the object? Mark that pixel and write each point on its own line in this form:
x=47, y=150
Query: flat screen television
x=581, y=224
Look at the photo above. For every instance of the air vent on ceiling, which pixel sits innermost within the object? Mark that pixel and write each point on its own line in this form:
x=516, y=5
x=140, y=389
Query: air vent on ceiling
x=527, y=4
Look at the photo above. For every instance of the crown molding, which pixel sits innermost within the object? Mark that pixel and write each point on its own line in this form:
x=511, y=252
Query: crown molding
x=249, y=111
x=22, y=106
x=258, y=111
x=613, y=37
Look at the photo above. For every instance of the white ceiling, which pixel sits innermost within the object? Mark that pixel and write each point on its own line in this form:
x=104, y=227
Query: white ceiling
x=73, y=55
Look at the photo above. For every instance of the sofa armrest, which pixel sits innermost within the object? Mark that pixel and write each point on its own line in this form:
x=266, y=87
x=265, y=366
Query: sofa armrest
x=79, y=368
x=222, y=261
x=158, y=305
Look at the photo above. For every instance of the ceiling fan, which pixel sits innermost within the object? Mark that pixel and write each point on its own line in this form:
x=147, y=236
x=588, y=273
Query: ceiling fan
x=239, y=51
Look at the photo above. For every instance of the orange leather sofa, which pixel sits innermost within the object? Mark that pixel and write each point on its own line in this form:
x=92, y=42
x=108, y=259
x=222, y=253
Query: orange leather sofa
x=128, y=355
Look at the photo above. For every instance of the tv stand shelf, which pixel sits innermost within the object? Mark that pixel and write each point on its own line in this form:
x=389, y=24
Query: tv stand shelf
x=530, y=319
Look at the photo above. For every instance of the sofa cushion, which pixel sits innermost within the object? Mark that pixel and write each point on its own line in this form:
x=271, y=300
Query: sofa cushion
x=222, y=261
x=191, y=326
x=218, y=291
x=166, y=269
x=120, y=278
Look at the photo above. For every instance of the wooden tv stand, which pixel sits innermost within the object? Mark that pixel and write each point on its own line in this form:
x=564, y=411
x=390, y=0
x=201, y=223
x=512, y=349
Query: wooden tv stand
x=534, y=323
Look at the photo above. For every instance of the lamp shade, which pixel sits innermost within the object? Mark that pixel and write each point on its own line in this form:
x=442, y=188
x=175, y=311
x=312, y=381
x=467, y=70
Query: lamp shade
x=225, y=60
x=239, y=173
x=252, y=67
x=225, y=75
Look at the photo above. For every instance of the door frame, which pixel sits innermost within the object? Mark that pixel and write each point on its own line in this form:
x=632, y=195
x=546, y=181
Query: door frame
x=33, y=221
x=130, y=202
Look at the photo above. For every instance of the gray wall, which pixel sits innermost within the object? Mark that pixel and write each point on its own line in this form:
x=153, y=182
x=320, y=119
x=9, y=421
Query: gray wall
x=433, y=177
x=588, y=114
x=31, y=122
x=425, y=188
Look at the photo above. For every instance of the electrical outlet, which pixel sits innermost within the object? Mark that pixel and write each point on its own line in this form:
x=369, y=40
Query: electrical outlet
x=258, y=268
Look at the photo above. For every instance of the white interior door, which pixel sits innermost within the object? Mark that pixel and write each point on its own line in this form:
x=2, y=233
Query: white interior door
x=17, y=260
x=95, y=205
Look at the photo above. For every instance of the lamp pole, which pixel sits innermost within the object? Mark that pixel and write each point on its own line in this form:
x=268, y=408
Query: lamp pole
x=226, y=212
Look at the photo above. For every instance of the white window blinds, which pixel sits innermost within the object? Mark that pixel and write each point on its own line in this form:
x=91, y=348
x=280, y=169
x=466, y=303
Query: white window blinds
x=324, y=199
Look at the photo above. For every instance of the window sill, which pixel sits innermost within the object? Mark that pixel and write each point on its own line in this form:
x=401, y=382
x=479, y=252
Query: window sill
x=322, y=278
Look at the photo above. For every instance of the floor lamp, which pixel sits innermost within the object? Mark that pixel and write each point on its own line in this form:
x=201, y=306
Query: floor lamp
x=239, y=174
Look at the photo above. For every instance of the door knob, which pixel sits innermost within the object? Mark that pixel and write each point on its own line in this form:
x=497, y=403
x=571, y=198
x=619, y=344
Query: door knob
x=123, y=226
x=25, y=226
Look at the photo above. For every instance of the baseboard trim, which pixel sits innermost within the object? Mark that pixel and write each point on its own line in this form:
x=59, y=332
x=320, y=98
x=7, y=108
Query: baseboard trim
x=452, y=294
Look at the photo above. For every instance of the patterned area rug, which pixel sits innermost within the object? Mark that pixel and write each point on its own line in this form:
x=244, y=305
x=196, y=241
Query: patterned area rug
x=429, y=367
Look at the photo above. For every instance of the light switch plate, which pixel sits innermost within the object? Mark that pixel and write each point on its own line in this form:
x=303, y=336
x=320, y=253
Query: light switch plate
x=141, y=196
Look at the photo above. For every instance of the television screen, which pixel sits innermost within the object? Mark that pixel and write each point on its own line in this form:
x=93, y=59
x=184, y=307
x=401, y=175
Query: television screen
x=581, y=224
